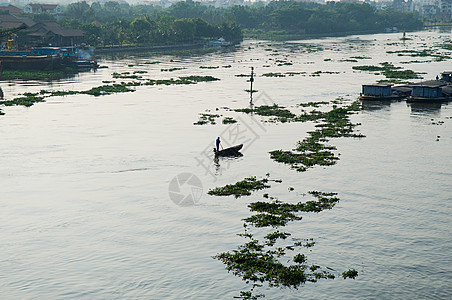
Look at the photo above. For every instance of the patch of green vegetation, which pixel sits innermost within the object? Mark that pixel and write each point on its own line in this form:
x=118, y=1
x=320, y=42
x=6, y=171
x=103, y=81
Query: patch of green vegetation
x=414, y=62
x=241, y=188
x=294, y=73
x=317, y=73
x=226, y=67
x=171, y=69
x=273, y=75
x=404, y=74
x=27, y=100
x=126, y=75
x=209, y=67
x=242, y=75
x=313, y=104
x=368, y=68
x=108, y=89
x=195, y=78
x=422, y=53
x=352, y=273
x=313, y=150
x=394, y=81
x=390, y=71
x=284, y=64
x=447, y=45
x=277, y=259
x=151, y=62
x=206, y=119
x=277, y=213
x=279, y=112
x=361, y=57
x=36, y=74
x=229, y=120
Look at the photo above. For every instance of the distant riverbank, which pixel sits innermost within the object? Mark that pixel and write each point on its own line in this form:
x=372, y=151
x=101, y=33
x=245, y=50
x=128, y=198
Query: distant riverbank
x=148, y=48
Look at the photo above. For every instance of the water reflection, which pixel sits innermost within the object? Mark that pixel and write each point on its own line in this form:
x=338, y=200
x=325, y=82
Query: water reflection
x=425, y=108
x=372, y=105
x=222, y=163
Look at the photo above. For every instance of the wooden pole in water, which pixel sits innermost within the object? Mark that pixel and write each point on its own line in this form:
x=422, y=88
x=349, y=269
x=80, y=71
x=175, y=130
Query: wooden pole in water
x=251, y=81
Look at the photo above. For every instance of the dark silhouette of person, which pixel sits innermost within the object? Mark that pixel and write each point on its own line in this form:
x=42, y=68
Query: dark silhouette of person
x=217, y=142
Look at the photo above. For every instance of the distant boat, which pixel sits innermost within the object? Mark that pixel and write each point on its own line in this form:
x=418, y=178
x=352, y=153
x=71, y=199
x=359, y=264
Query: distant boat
x=231, y=151
x=30, y=62
x=220, y=42
x=45, y=58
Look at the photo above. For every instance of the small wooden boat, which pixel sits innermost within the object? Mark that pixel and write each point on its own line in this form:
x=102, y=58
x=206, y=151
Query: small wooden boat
x=231, y=151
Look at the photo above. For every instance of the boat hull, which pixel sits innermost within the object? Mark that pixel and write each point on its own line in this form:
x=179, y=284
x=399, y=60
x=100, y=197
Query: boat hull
x=379, y=98
x=231, y=151
x=428, y=100
x=30, y=62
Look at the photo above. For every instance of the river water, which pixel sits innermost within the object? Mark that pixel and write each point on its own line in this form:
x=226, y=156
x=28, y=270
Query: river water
x=86, y=211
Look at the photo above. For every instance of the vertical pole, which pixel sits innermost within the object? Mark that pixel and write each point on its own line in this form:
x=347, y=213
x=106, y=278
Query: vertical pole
x=251, y=81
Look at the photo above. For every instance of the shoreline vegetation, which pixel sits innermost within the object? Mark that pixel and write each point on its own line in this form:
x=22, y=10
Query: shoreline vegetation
x=113, y=25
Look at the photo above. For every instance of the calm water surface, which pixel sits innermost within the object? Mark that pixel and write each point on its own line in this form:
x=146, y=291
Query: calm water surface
x=86, y=214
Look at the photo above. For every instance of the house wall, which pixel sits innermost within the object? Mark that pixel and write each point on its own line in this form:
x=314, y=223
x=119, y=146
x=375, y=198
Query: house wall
x=426, y=92
x=373, y=90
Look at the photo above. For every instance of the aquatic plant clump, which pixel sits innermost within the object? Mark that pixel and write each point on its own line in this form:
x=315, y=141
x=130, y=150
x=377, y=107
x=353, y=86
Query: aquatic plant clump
x=278, y=213
x=194, y=78
x=313, y=150
x=273, y=75
x=229, y=120
x=171, y=69
x=36, y=74
x=313, y=104
x=206, y=119
x=241, y=188
x=274, y=110
x=390, y=71
x=126, y=75
x=27, y=100
x=277, y=259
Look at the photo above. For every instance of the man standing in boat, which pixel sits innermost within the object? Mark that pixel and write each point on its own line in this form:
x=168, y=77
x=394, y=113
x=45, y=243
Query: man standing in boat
x=217, y=142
